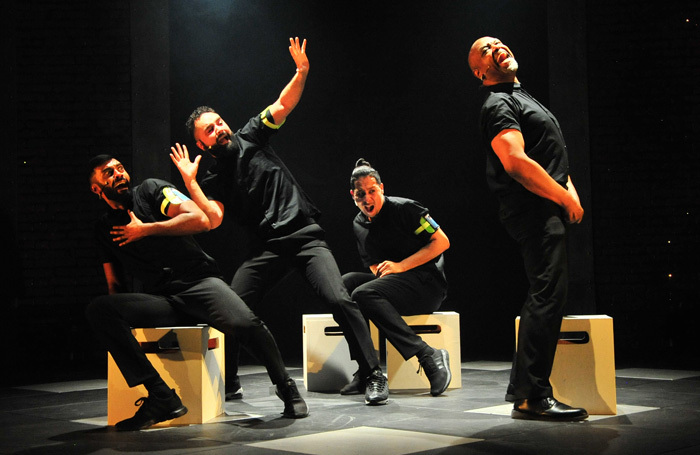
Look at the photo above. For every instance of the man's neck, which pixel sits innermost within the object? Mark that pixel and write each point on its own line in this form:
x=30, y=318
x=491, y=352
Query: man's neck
x=505, y=80
x=114, y=205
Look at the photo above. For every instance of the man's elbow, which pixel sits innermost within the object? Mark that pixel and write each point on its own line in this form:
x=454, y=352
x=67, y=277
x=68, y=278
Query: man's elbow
x=515, y=172
x=511, y=167
x=445, y=244
x=440, y=241
x=215, y=219
x=213, y=224
x=203, y=224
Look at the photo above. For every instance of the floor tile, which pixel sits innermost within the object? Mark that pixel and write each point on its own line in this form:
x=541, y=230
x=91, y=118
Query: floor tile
x=658, y=414
x=655, y=374
x=365, y=440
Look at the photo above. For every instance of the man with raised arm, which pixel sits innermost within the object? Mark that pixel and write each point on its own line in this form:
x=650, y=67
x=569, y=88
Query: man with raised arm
x=257, y=190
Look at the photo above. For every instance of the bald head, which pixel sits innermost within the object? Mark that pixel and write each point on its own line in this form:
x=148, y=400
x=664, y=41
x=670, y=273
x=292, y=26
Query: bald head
x=474, y=51
x=492, y=62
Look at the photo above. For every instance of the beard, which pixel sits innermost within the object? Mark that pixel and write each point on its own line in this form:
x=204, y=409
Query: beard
x=512, y=66
x=123, y=198
x=229, y=149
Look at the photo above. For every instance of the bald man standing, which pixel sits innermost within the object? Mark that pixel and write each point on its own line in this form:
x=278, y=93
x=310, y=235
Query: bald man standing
x=528, y=170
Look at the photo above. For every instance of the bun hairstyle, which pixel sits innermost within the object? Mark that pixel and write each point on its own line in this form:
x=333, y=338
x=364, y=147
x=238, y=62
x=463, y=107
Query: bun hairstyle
x=363, y=169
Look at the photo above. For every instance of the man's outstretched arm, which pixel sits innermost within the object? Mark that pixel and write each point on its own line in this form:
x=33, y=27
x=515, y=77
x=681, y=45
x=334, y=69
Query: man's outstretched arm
x=291, y=94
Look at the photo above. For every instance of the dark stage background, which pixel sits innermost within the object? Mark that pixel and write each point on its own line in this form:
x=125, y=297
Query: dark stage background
x=389, y=82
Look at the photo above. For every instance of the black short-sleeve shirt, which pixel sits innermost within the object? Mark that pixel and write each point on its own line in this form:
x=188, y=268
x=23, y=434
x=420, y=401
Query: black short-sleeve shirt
x=156, y=261
x=509, y=106
x=255, y=185
x=401, y=228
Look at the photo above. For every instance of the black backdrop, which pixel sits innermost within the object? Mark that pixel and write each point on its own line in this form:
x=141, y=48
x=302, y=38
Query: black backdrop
x=389, y=82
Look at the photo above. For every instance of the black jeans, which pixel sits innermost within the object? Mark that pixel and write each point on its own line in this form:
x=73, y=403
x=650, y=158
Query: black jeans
x=208, y=301
x=540, y=231
x=384, y=300
x=306, y=251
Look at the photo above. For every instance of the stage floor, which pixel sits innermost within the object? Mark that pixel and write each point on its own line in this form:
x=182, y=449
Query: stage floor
x=658, y=413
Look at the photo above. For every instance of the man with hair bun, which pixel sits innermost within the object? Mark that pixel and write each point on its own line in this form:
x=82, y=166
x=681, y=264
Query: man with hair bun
x=402, y=246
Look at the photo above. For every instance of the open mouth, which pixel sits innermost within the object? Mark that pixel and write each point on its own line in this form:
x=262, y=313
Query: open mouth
x=501, y=56
x=369, y=208
x=121, y=185
x=222, y=138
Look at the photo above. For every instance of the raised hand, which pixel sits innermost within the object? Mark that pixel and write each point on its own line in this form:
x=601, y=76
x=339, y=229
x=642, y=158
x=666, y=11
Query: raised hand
x=181, y=159
x=299, y=54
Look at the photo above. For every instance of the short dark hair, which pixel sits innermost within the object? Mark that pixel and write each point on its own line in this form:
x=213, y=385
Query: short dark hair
x=194, y=116
x=96, y=162
x=363, y=169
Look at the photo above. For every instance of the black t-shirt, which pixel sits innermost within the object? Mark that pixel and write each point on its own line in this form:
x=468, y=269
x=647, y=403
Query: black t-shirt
x=401, y=228
x=255, y=186
x=509, y=106
x=156, y=261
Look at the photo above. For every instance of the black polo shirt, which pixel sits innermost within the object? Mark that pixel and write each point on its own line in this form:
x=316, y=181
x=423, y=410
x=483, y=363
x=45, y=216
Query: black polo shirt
x=401, y=228
x=155, y=261
x=509, y=106
x=255, y=186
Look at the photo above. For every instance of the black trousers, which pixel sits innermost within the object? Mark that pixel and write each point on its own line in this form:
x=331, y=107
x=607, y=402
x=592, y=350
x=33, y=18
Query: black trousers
x=540, y=231
x=384, y=300
x=306, y=251
x=208, y=301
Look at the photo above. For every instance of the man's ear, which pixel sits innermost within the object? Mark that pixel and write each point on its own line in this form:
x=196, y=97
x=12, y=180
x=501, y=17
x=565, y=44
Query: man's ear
x=96, y=189
x=352, y=194
x=381, y=187
x=200, y=144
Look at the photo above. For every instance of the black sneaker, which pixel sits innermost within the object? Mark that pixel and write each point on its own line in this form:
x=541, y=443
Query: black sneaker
x=153, y=410
x=437, y=369
x=377, y=390
x=355, y=387
x=234, y=391
x=294, y=405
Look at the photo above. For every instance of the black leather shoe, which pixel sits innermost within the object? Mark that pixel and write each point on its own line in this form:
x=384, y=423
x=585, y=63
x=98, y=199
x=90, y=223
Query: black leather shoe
x=294, y=405
x=153, y=410
x=547, y=409
x=355, y=387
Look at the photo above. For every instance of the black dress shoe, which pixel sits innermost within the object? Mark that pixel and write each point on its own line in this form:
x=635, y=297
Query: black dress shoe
x=294, y=405
x=547, y=409
x=355, y=387
x=153, y=410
